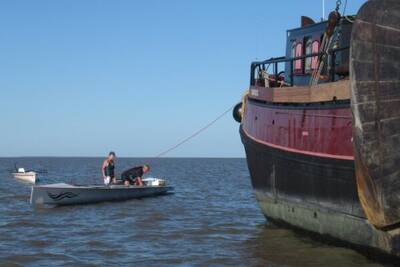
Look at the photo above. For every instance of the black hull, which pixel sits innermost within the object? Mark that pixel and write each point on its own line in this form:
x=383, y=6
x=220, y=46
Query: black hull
x=313, y=193
x=320, y=181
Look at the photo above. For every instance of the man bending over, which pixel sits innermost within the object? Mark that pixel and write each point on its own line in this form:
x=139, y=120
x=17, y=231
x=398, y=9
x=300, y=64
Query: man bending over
x=134, y=176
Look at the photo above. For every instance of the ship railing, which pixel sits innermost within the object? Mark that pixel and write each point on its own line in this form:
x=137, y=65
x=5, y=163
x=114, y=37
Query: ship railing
x=275, y=61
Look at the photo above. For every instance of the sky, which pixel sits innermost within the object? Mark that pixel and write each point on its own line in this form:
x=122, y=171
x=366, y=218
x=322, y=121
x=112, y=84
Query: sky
x=81, y=78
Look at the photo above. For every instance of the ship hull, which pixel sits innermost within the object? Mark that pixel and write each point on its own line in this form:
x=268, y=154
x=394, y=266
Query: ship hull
x=313, y=193
x=324, y=157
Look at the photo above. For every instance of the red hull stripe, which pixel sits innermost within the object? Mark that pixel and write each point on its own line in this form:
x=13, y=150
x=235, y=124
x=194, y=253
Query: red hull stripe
x=315, y=154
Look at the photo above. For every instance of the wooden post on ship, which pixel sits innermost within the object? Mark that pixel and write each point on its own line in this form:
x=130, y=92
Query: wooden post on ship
x=375, y=89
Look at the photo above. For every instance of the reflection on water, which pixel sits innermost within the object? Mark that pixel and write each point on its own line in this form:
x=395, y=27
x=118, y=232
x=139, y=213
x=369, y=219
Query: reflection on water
x=277, y=246
x=212, y=219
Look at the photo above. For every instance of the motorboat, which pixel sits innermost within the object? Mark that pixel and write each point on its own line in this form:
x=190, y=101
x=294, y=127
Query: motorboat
x=70, y=194
x=22, y=174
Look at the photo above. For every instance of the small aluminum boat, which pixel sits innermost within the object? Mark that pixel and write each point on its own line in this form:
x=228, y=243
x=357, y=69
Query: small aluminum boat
x=68, y=194
x=28, y=176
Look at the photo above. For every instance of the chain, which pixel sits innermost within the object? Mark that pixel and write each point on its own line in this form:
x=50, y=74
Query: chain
x=338, y=4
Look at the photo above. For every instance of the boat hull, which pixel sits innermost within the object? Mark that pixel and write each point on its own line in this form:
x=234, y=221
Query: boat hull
x=64, y=194
x=314, y=194
x=28, y=177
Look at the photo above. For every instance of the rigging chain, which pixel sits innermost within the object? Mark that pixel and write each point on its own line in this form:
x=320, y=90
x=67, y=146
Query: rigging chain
x=338, y=4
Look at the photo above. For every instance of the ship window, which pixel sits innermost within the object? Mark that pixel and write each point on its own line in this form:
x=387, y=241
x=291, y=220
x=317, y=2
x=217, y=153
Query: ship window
x=315, y=49
x=308, y=51
x=298, y=63
x=293, y=54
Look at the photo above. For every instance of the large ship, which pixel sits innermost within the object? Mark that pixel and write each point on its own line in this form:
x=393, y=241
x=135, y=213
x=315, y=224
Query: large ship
x=321, y=128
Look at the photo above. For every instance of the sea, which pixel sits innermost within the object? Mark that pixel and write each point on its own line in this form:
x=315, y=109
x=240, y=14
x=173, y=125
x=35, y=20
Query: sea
x=212, y=219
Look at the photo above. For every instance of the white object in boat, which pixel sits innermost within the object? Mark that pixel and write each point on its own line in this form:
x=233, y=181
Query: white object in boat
x=153, y=181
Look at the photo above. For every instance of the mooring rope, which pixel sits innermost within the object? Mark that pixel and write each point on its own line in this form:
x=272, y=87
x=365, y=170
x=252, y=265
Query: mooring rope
x=187, y=139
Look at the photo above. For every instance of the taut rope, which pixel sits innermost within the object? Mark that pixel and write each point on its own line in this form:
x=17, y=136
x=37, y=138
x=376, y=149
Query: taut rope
x=187, y=139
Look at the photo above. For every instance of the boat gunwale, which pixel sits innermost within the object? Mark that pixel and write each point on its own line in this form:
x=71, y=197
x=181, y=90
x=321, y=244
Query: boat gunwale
x=102, y=187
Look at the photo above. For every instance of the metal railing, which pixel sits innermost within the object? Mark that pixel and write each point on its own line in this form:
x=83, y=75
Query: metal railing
x=275, y=61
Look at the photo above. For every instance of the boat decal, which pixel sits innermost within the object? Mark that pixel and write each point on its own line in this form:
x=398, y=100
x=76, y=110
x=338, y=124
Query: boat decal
x=61, y=196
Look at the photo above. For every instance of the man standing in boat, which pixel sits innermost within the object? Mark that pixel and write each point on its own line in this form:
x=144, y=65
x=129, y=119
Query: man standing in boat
x=134, y=176
x=108, y=169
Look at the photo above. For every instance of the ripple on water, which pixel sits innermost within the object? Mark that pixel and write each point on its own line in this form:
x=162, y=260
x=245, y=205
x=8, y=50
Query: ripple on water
x=24, y=224
x=40, y=257
x=38, y=243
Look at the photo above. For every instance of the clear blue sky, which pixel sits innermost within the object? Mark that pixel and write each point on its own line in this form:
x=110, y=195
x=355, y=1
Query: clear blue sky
x=80, y=78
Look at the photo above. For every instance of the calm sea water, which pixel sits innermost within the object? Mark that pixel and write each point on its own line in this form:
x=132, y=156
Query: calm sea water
x=211, y=220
